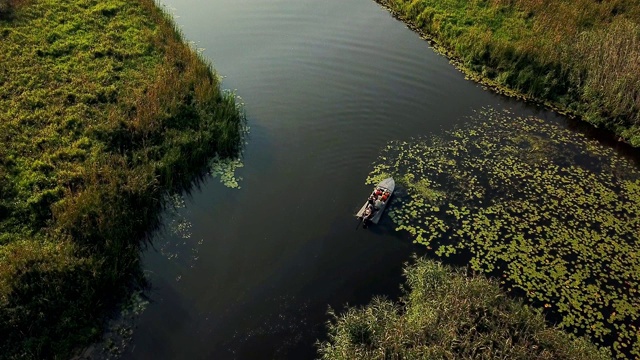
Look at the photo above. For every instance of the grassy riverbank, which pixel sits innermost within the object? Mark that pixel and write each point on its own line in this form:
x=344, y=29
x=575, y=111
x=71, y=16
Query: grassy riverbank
x=104, y=109
x=446, y=315
x=580, y=57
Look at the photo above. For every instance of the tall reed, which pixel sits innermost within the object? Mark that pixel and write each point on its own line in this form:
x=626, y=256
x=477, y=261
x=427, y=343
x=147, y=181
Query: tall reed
x=578, y=56
x=445, y=314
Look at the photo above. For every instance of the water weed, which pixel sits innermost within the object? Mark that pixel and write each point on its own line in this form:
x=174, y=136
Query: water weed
x=226, y=169
x=553, y=213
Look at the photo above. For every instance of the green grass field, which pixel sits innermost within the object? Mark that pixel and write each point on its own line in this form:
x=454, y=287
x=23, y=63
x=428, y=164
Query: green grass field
x=578, y=56
x=103, y=110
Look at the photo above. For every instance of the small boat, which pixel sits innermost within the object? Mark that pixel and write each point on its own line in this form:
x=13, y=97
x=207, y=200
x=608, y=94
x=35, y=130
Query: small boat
x=386, y=186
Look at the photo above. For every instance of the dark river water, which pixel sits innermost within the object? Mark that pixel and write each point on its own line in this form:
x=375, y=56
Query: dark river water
x=249, y=273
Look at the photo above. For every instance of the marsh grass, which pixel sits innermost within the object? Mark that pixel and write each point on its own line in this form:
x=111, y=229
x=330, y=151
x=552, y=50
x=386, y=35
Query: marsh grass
x=445, y=314
x=581, y=57
x=104, y=111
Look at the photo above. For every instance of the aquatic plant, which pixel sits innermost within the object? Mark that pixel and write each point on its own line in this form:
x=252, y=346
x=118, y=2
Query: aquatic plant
x=555, y=214
x=225, y=168
x=445, y=314
x=176, y=238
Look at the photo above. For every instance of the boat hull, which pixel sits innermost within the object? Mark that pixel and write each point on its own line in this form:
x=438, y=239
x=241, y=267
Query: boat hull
x=387, y=184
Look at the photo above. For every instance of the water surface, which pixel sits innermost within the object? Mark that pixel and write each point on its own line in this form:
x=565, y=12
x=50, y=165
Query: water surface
x=252, y=271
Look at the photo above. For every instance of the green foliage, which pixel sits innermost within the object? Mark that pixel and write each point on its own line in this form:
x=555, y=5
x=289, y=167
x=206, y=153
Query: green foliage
x=555, y=214
x=446, y=315
x=104, y=111
x=225, y=169
x=582, y=57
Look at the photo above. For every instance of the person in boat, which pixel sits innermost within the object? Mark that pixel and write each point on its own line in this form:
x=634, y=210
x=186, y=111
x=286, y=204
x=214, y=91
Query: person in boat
x=378, y=192
x=378, y=205
x=371, y=200
x=385, y=196
x=369, y=211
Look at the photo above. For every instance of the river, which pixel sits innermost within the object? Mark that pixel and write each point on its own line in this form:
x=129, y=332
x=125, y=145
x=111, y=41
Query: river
x=251, y=272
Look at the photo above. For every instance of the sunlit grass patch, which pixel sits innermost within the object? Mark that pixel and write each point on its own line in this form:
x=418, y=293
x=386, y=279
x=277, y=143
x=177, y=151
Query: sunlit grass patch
x=553, y=212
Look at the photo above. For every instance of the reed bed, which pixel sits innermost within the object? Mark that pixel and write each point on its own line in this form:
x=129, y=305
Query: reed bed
x=445, y=314
x=581, y=57
x=104, y=109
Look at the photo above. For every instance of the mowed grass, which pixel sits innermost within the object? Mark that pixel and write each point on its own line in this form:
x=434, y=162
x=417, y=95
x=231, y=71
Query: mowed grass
x=445, y=314
x=579, y=56
x=103, y=109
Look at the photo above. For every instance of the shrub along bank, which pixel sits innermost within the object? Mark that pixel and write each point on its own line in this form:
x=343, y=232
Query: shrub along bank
x=103, y=110
x=445, y=314
x=578, y=56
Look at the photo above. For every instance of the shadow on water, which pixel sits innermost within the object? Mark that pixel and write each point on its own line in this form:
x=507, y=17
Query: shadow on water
x=605, y=138
x=602, y=136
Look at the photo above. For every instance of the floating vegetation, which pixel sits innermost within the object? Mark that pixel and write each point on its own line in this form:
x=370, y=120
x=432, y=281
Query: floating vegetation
x=118, y=331
x=226, y=168
x=176, y=243
x=555, y=214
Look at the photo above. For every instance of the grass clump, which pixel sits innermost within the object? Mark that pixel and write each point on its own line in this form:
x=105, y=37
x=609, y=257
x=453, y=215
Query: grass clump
x=104, y=110
x=554, y=214
x=445, y=314
x=581, y=57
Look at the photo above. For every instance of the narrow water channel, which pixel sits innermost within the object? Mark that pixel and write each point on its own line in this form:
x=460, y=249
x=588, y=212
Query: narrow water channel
x=250, y=273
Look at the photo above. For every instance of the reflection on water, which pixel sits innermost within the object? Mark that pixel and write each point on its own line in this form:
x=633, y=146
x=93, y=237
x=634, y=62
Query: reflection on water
x=176, y=239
